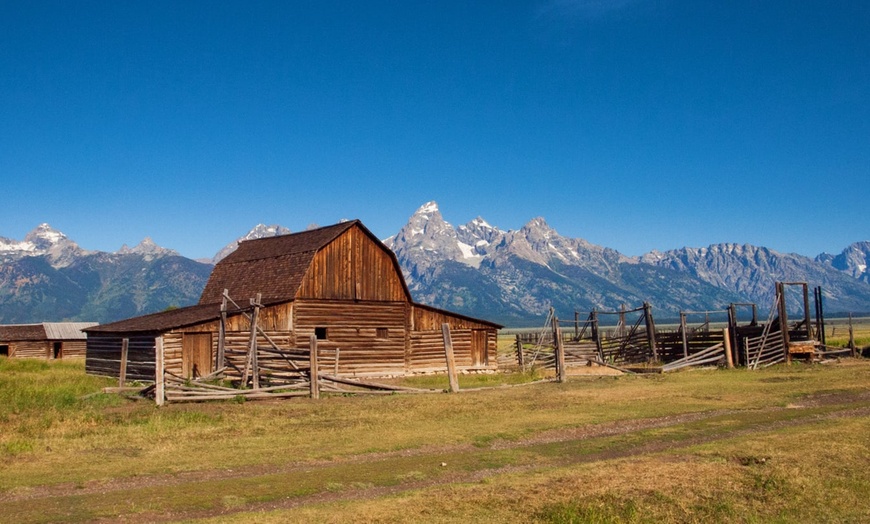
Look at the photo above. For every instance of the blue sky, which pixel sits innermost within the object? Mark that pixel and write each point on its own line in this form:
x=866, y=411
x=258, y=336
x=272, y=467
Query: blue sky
x=635, y=124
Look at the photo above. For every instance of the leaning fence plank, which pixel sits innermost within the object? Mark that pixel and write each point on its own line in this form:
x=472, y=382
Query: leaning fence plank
x=315, y=381
x=448, y=353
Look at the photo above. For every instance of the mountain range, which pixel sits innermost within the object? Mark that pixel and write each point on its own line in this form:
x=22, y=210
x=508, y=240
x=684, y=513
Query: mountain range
x=511, y=277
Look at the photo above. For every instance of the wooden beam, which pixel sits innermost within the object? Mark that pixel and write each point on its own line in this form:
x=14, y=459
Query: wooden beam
x=451, y=362
x=222, y=333
x=314, y=389
x=252, y=350
x=560, y=351
x=159, y=379
x=726, y=339
x=122, y=372
x=520, y=356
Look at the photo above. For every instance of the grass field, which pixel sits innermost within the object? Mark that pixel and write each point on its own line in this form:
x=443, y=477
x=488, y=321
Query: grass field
x=785, y=444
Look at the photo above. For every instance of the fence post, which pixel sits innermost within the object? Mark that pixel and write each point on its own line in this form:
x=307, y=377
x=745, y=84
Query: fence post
x=560, y=351
x=314, y=387
x=122, y=372
x=520, y=356
x=650, y=330
x=222, y=333
x=448, y=353
x=852, y=337
x=684, y=334
x=726, y=339
x=783, y=320
x=159, y=378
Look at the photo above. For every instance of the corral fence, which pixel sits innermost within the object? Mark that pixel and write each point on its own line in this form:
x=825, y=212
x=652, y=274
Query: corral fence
x=702, y=338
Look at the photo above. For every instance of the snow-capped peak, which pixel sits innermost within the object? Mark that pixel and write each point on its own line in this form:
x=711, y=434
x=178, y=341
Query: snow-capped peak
x=148, y=248
x=427, y=208
x=42, y=241
x=258, y=231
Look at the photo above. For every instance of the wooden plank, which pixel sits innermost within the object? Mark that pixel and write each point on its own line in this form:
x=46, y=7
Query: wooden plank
x=122, y=373
x=313, y=379
x=561, y=373
x=160, y=390
x=448, y=353
x=729, y=357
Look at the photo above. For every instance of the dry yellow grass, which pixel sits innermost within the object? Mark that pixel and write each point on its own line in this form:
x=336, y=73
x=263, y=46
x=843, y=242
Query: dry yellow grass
x=728, y=445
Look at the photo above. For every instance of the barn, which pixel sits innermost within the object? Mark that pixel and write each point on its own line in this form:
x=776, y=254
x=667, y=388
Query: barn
x=338, y=283
x=49, y=340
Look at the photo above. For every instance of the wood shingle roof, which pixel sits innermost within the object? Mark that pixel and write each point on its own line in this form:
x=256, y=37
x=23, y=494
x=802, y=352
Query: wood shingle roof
x=273, y=266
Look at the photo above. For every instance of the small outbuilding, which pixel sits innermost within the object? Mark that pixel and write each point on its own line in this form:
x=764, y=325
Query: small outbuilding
x=338, y=283
x=49, y=340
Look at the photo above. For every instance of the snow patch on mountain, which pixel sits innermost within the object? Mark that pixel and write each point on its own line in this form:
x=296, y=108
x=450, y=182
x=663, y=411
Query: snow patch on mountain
x=258, y=231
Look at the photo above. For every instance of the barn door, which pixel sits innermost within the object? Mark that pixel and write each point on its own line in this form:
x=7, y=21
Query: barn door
x=478, y=348
x=196, y=358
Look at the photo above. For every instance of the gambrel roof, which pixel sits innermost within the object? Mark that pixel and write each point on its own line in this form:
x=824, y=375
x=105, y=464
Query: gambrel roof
x=276, y=266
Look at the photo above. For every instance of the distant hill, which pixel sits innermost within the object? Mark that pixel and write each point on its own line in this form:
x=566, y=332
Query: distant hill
x=511, y=277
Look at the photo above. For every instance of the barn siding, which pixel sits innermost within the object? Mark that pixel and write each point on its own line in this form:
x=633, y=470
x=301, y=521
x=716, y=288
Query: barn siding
x=353, y=267
x=352, y=328
x=104, y=356
x=29, y=349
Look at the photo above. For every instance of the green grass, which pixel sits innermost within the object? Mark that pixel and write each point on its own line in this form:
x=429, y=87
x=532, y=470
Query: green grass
x=753, y=446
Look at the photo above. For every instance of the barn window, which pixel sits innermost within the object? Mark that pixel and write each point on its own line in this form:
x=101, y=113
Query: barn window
x=4, y=350
x=320, y=333
x=383, y=332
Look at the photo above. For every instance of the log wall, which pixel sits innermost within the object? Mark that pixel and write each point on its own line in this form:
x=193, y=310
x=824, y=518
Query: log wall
x=72, y=348
x=104, y=356
x=30, y=349
x=370, y=337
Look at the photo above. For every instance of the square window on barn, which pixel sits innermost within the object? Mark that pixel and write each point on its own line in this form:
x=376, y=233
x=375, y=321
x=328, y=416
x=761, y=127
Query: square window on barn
x=383, y=332
x=320, y=333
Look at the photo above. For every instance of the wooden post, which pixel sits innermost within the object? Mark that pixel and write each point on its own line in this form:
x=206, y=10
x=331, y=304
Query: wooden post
x=122, y=372
x=222, y=333
x=560, y=352
x=520, y=356
x=684, y=335
x=448, y=353
x=596, y=335
x=159, y=378
x=252, y=355
x=783, y=320
x=726, y=339
x=313, y=371
x=650, y=330
x=576, y=326
x=852, y=337
x=807, y=317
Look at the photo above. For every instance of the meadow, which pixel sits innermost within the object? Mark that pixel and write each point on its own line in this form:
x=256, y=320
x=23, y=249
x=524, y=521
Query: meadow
x=786, y=444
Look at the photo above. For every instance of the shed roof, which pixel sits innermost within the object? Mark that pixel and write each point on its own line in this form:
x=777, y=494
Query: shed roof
x=164, y=320
x=45, y=331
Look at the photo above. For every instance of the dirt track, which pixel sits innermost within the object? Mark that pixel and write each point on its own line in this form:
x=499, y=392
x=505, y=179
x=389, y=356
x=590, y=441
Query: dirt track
x=852, y=406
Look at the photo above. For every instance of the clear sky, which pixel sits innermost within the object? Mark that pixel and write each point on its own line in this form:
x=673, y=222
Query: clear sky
x=635, y=124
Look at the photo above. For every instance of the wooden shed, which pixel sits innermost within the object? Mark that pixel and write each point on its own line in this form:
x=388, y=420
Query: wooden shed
x=338, y=283
x=49, y=340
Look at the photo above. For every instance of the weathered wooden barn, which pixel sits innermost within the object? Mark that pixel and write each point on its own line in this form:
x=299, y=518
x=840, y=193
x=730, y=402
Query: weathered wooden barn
x=49, y=340
x=339, y=283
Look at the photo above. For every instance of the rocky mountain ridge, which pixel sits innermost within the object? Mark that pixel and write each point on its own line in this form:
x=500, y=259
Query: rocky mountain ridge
x=512, y=276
